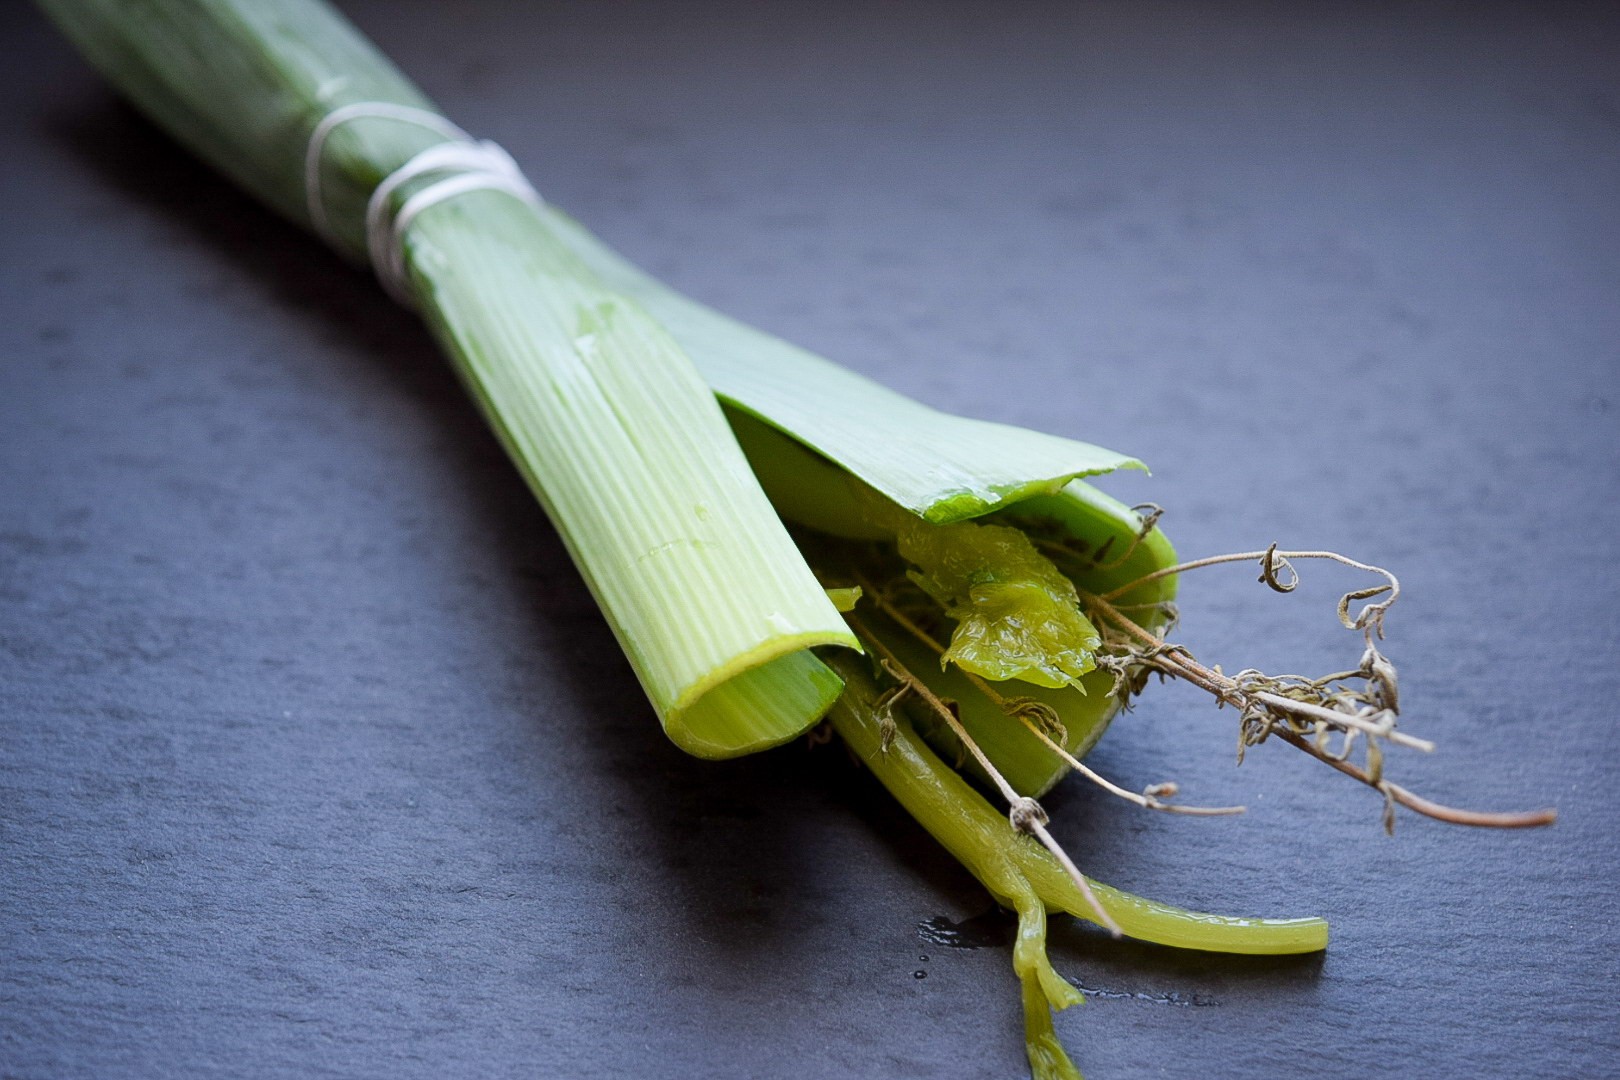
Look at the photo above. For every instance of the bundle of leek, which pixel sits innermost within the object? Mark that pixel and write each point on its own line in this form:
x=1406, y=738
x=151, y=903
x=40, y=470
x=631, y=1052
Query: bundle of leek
x=602, y=385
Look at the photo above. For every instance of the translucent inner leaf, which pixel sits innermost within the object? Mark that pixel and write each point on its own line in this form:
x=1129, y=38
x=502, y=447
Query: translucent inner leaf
x=1016, y=616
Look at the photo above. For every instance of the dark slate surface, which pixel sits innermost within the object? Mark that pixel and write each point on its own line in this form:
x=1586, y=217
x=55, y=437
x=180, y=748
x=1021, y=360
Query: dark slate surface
x=317, y=760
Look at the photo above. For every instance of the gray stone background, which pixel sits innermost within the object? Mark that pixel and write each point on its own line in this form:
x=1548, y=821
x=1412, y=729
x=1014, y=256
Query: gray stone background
x=316, y=759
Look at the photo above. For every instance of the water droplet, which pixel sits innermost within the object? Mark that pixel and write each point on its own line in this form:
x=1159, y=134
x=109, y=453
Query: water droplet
x=993, y=928
x=919, y=974
x=924, y=959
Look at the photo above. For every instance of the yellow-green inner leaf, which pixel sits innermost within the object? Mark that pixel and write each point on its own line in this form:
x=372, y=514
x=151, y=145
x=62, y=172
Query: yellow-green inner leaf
x=1016, y=616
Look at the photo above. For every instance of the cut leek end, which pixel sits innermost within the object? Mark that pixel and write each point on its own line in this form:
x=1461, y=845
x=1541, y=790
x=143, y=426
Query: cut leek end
x=760, y=700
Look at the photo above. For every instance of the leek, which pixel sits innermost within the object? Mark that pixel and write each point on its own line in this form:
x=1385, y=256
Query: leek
x=664, y=440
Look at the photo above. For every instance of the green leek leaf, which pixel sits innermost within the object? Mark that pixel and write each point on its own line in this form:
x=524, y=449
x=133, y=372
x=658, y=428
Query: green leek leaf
x=942, y=468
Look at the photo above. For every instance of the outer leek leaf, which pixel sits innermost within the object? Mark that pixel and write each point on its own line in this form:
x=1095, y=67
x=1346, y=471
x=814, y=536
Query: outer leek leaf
x=942, y=468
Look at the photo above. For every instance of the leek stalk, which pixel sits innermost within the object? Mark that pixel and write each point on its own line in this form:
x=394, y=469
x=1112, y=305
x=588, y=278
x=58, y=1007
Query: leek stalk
x=601, y=411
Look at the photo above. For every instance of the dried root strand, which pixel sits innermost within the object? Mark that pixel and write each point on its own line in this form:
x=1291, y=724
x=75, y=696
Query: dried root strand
x=1272, y=561
x=888, y=729
x=1306, y=713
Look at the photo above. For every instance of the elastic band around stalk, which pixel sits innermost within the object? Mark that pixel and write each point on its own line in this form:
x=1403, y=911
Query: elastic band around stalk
x=468, y=164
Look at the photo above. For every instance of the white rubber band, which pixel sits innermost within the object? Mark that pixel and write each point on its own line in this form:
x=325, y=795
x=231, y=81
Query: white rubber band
x=382, y=110
x=470, y=165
